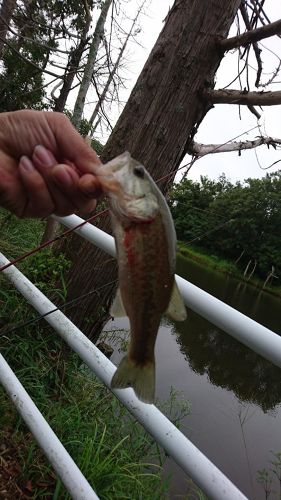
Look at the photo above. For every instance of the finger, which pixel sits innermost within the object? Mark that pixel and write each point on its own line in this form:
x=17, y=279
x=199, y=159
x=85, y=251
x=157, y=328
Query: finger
x=90, y=186
x=12, y=193
x=71, y=145
x=44, y=161
x=68, y=181
x=39, y=201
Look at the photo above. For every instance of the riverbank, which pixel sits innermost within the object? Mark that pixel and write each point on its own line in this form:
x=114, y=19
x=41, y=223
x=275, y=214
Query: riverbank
x=114, y=452
x=223, y=266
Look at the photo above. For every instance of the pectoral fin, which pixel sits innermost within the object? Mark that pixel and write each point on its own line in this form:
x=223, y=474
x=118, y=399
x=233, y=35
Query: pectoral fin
x=176, y=309
x=117, y=309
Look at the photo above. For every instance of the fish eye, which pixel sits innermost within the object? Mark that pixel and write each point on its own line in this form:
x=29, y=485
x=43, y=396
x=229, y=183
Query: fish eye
x=139, y=171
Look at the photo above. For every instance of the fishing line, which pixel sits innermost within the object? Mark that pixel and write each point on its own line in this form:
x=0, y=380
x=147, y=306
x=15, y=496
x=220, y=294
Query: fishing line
x=67, y=232
x=49, y=242
x=64, y=306
x=205, y=154
x=207, y=232
x=200, y=209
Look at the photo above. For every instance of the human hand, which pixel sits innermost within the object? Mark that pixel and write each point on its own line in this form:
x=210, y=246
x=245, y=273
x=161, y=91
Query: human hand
x=45, y=165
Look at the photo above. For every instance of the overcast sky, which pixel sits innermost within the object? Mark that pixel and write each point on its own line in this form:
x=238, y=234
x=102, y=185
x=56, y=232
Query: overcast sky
x=223, y=122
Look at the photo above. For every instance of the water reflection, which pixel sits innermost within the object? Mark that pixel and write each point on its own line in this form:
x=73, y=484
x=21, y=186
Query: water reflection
x=227, y=362
x=230, y=388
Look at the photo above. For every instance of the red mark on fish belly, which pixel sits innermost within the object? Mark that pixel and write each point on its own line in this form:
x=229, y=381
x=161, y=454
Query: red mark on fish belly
x=129, y=245
x=130, y=241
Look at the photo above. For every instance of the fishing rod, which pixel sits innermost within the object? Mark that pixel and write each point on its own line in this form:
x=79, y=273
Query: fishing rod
x=50, y=242
x=90, y=219
x=66, y=305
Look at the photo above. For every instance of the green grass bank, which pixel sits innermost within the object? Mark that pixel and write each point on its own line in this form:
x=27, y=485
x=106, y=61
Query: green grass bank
x=119, y=459
x=223, y=266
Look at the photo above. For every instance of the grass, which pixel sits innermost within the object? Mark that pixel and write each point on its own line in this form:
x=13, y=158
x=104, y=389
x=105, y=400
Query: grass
x=116, y=455
x=223, y=266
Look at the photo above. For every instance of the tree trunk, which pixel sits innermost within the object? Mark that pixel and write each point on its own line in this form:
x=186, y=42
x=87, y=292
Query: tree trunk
x=6, y=12
x=160, y=117
x=240, y=257
x=247, y=267
x=52, y=226
x=253, y=270
x=50, y=230
x=73, y=66
x=89, y=68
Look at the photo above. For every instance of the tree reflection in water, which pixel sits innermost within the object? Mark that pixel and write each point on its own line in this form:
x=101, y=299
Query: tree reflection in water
x=228, y=363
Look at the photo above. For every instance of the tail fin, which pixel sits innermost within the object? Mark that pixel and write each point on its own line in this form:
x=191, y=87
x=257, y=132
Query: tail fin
x=140, y=377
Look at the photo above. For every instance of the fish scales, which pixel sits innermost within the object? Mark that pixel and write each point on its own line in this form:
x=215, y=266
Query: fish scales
x=146, y=251
x=145, y=282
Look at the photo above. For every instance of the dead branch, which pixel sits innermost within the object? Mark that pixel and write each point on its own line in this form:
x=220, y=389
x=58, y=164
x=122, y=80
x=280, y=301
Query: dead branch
x=256, y=48
x=56, y=87
x=44, y=46
x=251, y=36
x=197, y=149
x=231, y=96
x=254, y=111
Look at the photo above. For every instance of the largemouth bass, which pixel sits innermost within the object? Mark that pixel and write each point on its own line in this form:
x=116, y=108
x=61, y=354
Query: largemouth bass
x=146, y=251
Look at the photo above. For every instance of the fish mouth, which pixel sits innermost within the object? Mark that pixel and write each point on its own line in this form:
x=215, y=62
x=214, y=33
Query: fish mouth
x=131, y=214
x=138, y=220
x=110, y=185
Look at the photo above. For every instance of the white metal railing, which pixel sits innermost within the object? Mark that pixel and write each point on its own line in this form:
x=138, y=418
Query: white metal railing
x=210, y=479
x=57, y=455
x=187, y=456
x=259, y=338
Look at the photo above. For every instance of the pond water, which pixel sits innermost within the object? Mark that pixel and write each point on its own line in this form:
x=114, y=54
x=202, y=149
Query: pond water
x=235, y=395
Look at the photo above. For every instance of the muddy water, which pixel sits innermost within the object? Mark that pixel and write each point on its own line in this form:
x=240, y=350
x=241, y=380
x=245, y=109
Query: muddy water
x=235, y=395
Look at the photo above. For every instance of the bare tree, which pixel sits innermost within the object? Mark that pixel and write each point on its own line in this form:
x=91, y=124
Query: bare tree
x=73, y=63
x=89, y=68
x=113, y=71
x=70, y=73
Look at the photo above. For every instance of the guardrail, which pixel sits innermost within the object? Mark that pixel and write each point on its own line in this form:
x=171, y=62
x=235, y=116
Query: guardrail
x=259, y=338
x=208, y=477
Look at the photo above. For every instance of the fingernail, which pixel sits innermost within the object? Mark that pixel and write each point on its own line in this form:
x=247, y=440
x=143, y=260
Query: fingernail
x=26, y=164
x=62, y=176
x=44, y=156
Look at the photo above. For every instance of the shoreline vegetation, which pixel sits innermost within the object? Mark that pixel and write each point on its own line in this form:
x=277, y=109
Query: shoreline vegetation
x=223, y=266
x=232, y=227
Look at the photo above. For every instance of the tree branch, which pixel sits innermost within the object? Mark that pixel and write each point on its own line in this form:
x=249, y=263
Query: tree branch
x=42, y=70
x=256, y=48
x=230, y=96
x=197, y=149
x=44, y=46
x=251, y=36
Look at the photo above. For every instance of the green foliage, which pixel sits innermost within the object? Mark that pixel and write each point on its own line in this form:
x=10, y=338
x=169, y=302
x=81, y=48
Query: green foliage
x=47, y=271
x=37, y=27
x=21, y=84
x=84, y=129
x=267, y=476
x=112, y=450
x=97, y=146
x=211, y=261
x=230, y=220
x=18, y=236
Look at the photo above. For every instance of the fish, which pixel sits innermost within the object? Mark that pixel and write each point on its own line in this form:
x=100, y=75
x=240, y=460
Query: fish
x=145, y=240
